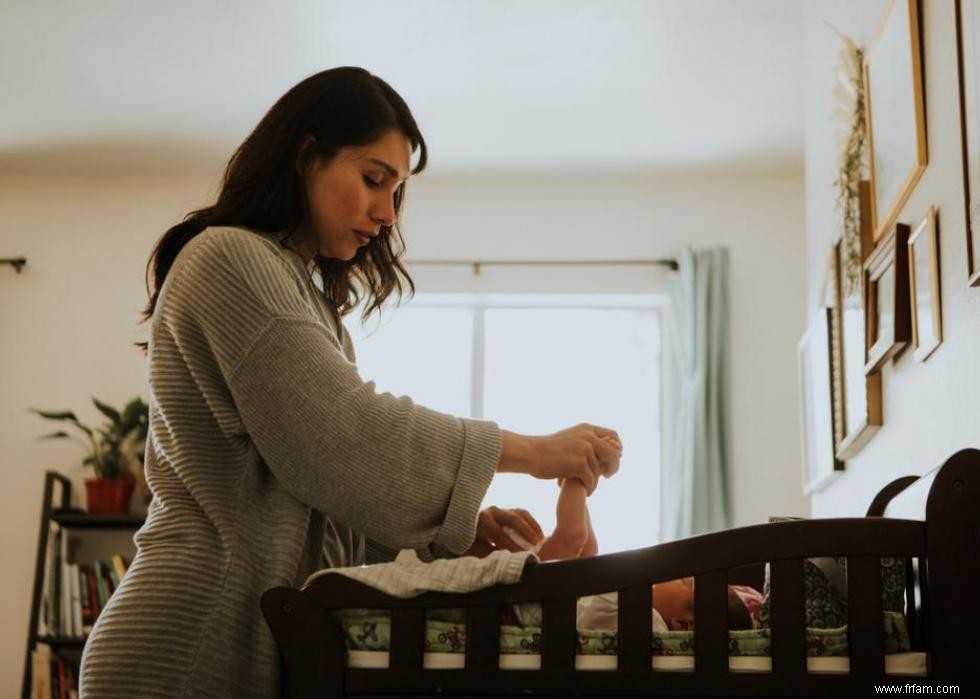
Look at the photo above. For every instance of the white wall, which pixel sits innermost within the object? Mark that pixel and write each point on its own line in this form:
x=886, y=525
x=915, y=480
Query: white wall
x=69, y=320
x=930, y=409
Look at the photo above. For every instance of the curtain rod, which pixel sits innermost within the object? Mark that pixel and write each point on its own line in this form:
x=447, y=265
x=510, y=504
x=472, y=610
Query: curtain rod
x=477, y=264
x=15, y=262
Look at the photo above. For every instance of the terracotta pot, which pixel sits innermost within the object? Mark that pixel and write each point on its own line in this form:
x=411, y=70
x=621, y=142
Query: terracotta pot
x=108, y=496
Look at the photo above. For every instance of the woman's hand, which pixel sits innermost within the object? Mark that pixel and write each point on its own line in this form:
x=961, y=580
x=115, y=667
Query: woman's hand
x=584, y=452
x=490, y=535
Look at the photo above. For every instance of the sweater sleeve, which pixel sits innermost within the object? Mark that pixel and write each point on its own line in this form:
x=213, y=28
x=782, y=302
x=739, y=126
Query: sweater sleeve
x=405, y=475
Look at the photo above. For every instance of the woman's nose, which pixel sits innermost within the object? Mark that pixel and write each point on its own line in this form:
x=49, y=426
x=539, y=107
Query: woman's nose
x=384, y=212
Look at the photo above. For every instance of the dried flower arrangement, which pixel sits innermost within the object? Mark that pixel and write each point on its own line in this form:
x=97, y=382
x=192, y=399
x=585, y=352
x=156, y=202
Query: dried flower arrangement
x=850, y=114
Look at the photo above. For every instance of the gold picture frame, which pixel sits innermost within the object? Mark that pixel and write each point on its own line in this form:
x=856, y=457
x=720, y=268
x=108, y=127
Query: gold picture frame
x=895, y=113
x=924, y=293
x=862, y=399
x=832, y=301
x=968, y=55
x=886, y=299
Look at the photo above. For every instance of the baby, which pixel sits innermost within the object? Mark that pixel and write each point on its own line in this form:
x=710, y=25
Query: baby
x=573, y=537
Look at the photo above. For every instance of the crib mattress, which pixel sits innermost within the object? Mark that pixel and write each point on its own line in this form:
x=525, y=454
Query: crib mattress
x=368, y=637
x=372, y=632
x=910, y=663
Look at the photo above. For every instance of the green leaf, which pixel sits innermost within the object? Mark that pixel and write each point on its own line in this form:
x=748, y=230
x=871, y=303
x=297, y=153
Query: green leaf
x=56, y=435
x=65, y=415
x=107, y=410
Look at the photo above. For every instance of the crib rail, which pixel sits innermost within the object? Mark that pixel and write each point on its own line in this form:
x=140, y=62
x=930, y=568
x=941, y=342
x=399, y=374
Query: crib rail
x=557, y=586
x=720, y=551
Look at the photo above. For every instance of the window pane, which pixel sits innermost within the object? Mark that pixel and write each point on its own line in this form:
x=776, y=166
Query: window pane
x=550, y=369
x=424, y=353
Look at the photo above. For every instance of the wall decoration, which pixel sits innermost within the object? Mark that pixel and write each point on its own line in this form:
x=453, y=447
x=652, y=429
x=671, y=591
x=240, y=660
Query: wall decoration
x=895, y=113
x=968, y=33
x=886, y=298
x=862, y=392
x=832, y=301
x=853, y=163
x=924, y=293
x=816, y=407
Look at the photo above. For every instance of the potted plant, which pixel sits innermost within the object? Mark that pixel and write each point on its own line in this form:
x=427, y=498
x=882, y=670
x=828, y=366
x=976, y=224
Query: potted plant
x=114, y=451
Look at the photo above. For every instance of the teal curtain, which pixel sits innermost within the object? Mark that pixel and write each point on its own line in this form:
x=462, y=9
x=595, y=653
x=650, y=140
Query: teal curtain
x=697, y=479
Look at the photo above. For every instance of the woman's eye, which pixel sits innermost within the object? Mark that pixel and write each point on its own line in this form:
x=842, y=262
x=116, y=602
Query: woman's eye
x=371, y=183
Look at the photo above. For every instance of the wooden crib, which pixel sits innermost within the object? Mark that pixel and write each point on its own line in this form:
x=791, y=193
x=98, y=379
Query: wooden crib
x=932, y=521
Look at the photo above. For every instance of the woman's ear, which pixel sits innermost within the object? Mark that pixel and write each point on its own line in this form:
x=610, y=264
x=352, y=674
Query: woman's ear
x=304, y=154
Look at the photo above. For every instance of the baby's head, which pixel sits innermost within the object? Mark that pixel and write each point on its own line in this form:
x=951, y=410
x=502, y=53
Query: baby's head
x=674, y=600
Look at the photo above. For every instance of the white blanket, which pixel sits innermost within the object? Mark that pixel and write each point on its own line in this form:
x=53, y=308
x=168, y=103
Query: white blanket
x=408, y=576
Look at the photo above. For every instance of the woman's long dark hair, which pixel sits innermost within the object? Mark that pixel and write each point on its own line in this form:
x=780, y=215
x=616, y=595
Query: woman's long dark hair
x=263, y=186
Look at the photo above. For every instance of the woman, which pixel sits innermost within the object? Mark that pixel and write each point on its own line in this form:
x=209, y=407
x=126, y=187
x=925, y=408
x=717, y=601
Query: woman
x=268, y=456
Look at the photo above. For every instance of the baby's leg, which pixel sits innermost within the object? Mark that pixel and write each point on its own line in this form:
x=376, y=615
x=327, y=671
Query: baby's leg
x=591, y=547
x=571, y=533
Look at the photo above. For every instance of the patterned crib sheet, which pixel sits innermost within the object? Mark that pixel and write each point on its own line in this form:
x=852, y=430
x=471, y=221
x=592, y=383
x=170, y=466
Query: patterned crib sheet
x=372, y=631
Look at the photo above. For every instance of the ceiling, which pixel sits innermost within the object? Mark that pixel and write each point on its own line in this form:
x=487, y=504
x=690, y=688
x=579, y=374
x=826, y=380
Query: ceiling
x=550, y=87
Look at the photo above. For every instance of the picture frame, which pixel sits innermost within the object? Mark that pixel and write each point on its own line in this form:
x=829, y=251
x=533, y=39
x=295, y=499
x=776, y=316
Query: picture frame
x=925, y=301
x=820, y=462
x=968, y=56
x=832, y=300
x=862, y=397
x=886, y=299
x=895, y=113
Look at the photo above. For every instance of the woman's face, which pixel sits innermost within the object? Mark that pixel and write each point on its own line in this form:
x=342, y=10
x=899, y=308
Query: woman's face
x=354, y=192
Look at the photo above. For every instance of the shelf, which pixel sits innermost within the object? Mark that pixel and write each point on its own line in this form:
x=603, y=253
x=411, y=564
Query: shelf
x=80, y=519
x=62, y=641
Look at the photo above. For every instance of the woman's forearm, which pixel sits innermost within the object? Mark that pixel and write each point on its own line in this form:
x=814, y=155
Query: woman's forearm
x=516, y=454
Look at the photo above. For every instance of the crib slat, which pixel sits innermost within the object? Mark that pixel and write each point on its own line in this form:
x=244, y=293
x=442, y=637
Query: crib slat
x=634, y=634
x=911, y=613
x=865, y=635
x=788, y=618
x=558, y=635
x=924, y=603
x=482, y=637
x=711, y=623
x=407, y=638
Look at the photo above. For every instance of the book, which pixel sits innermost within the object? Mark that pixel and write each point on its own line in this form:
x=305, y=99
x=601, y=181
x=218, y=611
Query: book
x=76, y=601
x=100, y=585
x=93, y=592
x=120, y=565
x=107, y=579
x=57, y=677
x=41, y=671
x=88, y=609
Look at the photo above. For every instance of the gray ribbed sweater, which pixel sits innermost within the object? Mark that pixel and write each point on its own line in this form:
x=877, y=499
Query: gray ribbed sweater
x=263, y=440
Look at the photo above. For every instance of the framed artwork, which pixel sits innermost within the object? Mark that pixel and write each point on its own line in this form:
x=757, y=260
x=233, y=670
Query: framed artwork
x=862, y=392
x=924, y=295
x=832, y=301
x=968, y=35
x=895, y=113
x=820, y=463
x=886, y=299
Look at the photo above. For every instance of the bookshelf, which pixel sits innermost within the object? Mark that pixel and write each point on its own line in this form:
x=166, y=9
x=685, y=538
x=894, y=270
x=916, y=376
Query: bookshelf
x=57, y=514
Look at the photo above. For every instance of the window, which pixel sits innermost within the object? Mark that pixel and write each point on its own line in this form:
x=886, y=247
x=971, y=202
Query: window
x=537, y=364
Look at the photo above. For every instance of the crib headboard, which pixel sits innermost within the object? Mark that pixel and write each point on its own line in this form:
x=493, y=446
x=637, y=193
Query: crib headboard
x=947, y=498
